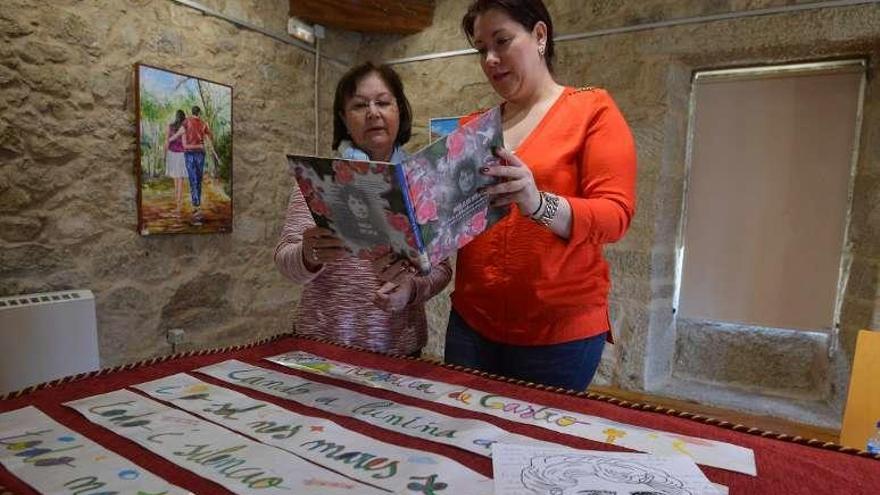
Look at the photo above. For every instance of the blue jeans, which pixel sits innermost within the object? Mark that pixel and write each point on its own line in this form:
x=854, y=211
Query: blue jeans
x=568, y=365
x=195, y=167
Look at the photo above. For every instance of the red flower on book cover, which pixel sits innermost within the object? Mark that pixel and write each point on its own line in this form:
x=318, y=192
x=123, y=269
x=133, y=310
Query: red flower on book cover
x=477, y=224
x=463, y=239
x=411, y=239
x=426, y=211
x=319, y=207
x=379, y=168
x=361, y=167
x=306, y=187
x=416, y=189
x=398, y=221
x=455, y=145
x=343, y=172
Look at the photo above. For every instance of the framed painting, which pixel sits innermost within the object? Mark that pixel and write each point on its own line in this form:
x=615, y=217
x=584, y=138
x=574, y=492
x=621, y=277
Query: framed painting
x=441, y=126
x=184, y=153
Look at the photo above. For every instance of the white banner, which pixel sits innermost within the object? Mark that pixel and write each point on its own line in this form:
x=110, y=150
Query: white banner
x=233, y=461
x=54, y=459
x=390, y=467
x=469, y=434
x=706, y=452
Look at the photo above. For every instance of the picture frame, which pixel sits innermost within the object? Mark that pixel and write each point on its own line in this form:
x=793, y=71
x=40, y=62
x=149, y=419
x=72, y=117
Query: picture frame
x=441, y=126
x=184, y=156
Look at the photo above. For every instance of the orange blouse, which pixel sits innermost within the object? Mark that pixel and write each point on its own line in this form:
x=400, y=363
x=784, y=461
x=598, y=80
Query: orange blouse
x=519, y=283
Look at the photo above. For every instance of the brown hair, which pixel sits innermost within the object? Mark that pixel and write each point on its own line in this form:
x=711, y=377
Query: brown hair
x=346, y=88
x=525, y=12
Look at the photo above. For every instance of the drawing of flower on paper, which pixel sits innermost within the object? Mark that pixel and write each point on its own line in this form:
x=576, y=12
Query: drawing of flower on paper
x=578, y=473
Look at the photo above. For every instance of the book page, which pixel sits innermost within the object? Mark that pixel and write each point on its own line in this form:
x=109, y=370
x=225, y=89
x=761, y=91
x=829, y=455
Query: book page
x=444, y=179
x=360, y=201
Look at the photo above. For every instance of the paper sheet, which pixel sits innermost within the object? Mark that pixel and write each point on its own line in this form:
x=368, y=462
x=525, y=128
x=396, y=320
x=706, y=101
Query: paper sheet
x=468, y=434
x=321, y=441
x=231, y=460
x=706, y=452
x=54, y=459
x=523, y=470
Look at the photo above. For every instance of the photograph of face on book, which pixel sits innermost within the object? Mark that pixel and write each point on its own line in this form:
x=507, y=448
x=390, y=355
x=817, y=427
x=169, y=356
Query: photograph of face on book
x=422, y=209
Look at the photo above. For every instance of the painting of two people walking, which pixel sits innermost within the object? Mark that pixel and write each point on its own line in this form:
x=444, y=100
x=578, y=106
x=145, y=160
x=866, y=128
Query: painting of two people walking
x=185, y=153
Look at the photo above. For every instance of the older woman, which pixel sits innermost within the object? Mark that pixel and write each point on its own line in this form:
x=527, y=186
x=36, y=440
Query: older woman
x=346, y=299
x=531, y=294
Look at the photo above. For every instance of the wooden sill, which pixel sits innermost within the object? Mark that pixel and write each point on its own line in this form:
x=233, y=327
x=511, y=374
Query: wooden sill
x=766, y=423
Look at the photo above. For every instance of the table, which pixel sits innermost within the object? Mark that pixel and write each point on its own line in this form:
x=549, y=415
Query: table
x=785, y=465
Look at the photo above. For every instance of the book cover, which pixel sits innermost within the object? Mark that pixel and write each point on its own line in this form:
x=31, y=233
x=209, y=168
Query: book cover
x=424, y=208
x=444, y=179
x=361, y=202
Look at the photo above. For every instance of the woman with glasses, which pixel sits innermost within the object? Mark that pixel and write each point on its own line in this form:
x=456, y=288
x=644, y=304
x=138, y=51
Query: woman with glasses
x=347, y=299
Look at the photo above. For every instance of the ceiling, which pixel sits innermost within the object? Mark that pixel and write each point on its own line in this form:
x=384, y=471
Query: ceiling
x=369, y=16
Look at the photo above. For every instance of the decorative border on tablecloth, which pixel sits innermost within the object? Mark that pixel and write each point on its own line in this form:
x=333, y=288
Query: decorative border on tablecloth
x=699, y=418
x=140, y=364
x=810, y=442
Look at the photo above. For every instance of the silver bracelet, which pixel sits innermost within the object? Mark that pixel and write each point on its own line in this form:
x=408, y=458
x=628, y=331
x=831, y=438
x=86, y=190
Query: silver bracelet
x=551, y=206
x=540, y=206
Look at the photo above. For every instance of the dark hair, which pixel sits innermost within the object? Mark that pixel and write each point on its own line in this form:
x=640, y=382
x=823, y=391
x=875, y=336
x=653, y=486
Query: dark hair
x=525, y=12
x=466, y=167
x=346, y=88
x=348, y=191
x=196, y=111
x=179, y=117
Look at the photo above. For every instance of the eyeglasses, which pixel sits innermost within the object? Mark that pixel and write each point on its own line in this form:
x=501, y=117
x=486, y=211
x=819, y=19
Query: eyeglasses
x=381, y=104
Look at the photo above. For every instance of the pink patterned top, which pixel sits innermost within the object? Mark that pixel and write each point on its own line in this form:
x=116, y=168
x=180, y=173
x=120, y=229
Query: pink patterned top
x=337, y=301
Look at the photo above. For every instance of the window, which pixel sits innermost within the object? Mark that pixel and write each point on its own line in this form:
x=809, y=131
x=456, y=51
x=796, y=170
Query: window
x=771, y=154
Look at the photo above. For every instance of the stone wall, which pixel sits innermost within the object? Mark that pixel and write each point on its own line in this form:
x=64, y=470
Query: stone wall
x=648, y=72
x=67, y=150
x=67, y=185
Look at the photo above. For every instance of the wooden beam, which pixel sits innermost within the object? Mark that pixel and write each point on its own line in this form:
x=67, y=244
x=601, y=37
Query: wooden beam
x=371, y=16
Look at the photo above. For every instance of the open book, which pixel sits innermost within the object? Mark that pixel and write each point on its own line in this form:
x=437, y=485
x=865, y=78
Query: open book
x=422, y=209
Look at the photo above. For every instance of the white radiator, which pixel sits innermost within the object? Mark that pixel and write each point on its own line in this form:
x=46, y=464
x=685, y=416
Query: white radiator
x=46, y=336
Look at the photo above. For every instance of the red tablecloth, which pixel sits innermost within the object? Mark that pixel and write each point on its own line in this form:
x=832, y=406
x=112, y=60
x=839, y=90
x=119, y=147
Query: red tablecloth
x=785, y=466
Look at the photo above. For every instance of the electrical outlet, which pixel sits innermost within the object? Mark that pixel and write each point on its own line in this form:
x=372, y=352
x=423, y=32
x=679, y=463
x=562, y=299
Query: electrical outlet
x=176, y=336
